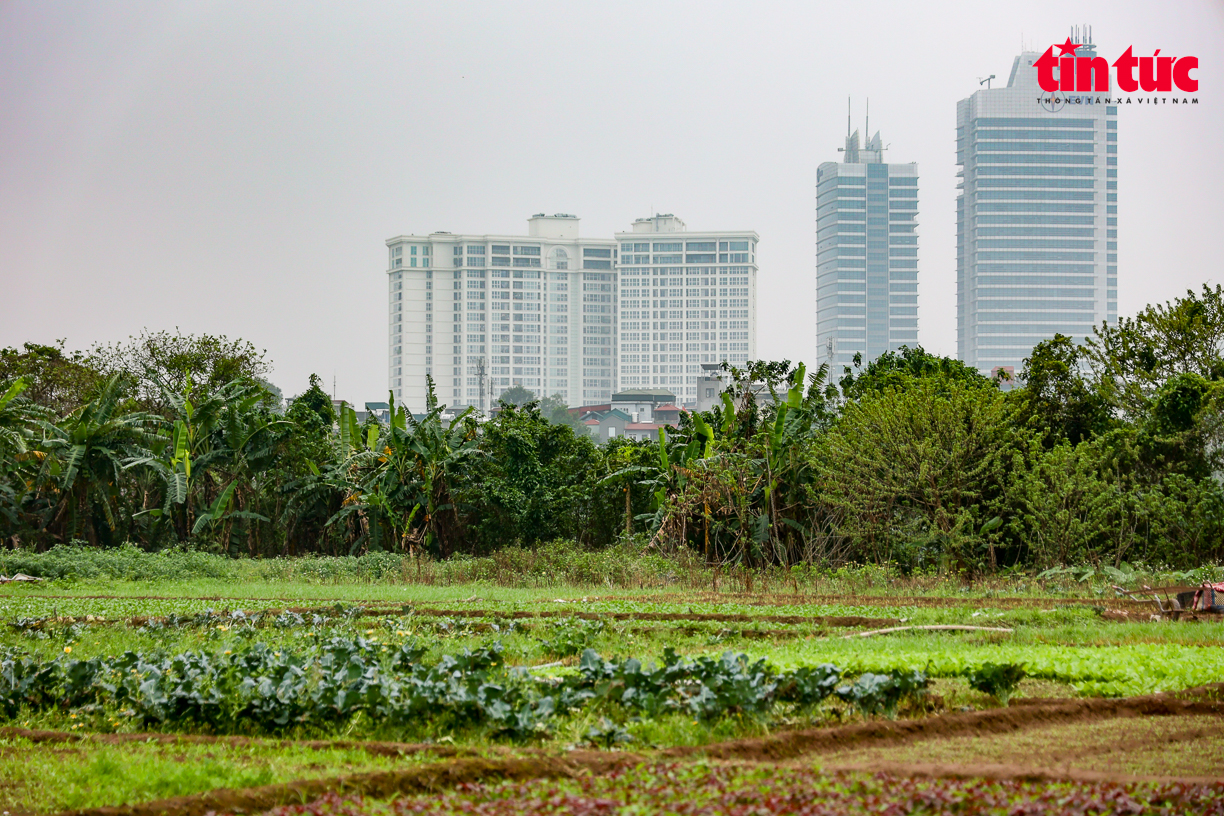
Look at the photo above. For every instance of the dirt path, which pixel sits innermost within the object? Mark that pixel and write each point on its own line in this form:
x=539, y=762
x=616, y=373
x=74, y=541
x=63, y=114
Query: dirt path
x=843, y=621
x=789, y=745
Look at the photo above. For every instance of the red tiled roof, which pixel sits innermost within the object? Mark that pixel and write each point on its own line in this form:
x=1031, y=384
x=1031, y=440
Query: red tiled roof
x=645, y=426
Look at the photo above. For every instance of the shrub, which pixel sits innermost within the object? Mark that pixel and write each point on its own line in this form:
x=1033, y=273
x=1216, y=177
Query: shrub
x=997, y=679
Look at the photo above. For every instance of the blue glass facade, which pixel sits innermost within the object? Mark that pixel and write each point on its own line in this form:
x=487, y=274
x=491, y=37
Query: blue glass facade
x=1036, y=220
x=866, y=255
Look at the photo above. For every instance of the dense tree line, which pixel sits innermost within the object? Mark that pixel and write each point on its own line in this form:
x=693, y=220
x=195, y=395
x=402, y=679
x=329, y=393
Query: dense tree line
x=1099, y=452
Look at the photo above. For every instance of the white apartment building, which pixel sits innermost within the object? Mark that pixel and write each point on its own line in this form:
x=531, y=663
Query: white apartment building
x=685, y=298
x=482, y=313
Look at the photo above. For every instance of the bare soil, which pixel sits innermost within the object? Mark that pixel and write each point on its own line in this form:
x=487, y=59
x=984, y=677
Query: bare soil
x=789, y=745
x=1150, y=748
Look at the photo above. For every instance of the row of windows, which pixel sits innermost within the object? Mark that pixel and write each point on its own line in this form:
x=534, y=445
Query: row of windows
x=1012, y=316
x=1042, y=147
x=1011, y=301
x=1036, y=195
x=1066, y=183
x=1034, y=243
x=1018, y=207
x=1035, y=158
x=1025, y=170
x=1070, y=232
x=1033, y=218
x=1050, y=122
x=1065, y=135
x=1035, y=256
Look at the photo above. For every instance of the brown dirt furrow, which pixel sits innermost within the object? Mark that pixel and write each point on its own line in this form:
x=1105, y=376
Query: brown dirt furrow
x=372, y=747
x=381, y=784
x=839, y=621
x=788, y=745
x=787, y=599
x=843, y=621
x=1019, y=772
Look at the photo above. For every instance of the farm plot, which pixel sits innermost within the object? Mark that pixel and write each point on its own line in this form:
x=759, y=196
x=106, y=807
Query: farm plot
x=475, y=683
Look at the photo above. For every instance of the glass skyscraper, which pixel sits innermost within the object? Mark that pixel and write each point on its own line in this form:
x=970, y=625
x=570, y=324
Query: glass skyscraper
x=866, y=255
x=1037, y=218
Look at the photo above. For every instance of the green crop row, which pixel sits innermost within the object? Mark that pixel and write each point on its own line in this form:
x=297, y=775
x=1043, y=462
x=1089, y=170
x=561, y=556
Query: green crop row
x=257, y=689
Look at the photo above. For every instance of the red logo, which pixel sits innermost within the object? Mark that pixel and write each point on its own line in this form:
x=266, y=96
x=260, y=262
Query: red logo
x=1076, y=73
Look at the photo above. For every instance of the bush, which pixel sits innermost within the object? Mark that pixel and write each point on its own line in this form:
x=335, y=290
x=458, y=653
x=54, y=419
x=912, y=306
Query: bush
x=127, y=563
x=998, y=680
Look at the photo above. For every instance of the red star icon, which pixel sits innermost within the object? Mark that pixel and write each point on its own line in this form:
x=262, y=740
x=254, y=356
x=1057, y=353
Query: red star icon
x=1066, y=47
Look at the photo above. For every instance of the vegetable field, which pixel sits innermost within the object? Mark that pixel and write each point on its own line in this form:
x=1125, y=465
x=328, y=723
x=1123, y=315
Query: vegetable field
x=156, y=697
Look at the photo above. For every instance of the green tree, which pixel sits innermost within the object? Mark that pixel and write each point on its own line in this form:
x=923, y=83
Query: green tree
x=899, y=369
x=533, y=482
x=917, y=470
x=517, y=395
x=160, y=363
x=86, y=454
x=54, y=378
x=315, y=400
x=1055, y=398
x=1131, y=361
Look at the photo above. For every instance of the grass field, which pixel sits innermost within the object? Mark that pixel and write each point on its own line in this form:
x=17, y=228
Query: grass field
x=116, y=692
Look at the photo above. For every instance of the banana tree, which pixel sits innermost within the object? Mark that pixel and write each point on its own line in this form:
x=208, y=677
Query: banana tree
x=407, y=471
x=86, y=452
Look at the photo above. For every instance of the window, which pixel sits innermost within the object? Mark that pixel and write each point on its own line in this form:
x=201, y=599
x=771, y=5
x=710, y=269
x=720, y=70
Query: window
x=527, y=250
x=501, y=249
x=700, y=246
x=475, y=250
x=595, y=252
x=669, y=247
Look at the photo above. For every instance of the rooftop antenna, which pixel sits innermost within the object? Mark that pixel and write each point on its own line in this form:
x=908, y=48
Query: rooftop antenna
x=986, y=81
x=867, y=121
x=847, y=117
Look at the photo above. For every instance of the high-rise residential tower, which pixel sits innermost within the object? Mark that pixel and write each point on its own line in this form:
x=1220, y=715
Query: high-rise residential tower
x=866, y=255
x=686, y=298
x=482, y=313
x=1037, y=218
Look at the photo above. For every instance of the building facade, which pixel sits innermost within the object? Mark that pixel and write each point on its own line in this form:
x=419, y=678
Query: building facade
x=1036, y=218
x=685, y=298
x=483, y=313
x=866, y=255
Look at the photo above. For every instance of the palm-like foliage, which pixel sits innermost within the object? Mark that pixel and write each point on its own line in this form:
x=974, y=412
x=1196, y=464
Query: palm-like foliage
x=407, y=471
x=211, y=461
x=86, y=451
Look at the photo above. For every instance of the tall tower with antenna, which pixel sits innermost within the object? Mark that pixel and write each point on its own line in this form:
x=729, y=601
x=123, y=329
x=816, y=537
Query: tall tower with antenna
x=1036, y=215
x=866, y=253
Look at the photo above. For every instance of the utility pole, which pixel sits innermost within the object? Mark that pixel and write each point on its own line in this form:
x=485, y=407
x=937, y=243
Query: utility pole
x=480, y=374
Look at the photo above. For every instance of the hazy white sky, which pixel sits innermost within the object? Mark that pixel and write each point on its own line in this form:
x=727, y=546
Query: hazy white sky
x=234, y=168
